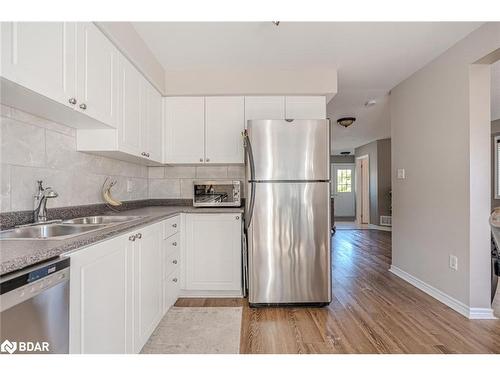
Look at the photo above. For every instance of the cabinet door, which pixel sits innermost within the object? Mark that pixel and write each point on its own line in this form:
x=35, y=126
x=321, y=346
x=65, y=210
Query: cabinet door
x=264, y=108
x=41, y=57
x=224, y=122
x=305, y=107
x=213, y=252
x=148, y=291
x=184, y=129
x=97, y=74
x=101, y=299
x=130, y=107
x=152, y=123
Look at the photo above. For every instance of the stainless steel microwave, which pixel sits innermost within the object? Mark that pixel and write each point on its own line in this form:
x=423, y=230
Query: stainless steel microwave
x=222, y=193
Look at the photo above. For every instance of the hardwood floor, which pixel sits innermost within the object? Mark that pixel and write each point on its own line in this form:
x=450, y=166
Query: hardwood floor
x=373, y=311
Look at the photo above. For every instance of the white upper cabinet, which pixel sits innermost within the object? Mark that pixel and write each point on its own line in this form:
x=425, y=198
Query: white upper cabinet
x=130, y=117
x=305, y=107
x=184, y=129
x=224, y=123
x=264, y=108
x=41, y=56
x=152, y=123
x=97, y=74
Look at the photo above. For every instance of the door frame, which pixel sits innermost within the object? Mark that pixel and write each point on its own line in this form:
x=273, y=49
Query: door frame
x=334, y=180
x=359, y=188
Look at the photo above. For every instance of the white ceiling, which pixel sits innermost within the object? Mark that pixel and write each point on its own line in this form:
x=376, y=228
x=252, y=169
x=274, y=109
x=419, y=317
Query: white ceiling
x=371, y=57
x=495, y=91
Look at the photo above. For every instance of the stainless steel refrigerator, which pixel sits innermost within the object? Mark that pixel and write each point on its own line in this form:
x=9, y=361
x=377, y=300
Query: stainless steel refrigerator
x=288, y=212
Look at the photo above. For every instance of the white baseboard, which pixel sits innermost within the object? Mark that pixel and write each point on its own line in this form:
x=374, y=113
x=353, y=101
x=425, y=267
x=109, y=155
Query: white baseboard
x=380, y=227
x=460, y=307
x=184, y=293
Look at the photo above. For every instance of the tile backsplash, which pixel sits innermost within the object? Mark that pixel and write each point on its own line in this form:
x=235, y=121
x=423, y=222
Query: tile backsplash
x=33, y=148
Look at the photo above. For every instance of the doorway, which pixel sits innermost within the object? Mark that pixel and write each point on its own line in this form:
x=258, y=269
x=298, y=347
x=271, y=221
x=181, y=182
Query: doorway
x=343, y=191
x=363, y=189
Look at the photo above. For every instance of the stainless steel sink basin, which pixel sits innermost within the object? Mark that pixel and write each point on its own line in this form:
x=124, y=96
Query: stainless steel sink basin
x=47, y=231
x=101, y=219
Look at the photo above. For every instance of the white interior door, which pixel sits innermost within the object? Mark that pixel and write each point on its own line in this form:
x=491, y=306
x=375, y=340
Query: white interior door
x=343, y=189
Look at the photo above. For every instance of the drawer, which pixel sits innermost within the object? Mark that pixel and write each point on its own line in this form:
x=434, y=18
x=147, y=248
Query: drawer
x=173, y=261
x=172, y=287
x=173, y=243
x=171, y=226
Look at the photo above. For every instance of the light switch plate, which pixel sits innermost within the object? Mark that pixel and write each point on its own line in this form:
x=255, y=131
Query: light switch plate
x=453, y=262
x=401, y=174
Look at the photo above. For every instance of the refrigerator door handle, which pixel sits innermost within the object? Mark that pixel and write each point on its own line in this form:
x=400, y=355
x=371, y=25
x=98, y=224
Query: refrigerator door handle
x=249, y=155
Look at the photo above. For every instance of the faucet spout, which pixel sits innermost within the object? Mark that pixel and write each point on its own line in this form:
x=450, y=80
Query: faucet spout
x=40, y=210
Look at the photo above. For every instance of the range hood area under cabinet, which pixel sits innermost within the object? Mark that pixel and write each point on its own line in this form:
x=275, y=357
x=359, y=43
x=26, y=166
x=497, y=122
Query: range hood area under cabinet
x=63, y=71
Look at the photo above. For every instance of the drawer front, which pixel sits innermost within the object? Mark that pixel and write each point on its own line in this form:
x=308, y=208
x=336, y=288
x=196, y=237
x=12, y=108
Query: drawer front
x=173, y=243
x=172, y=287
x=171, y=226
x=173, y=261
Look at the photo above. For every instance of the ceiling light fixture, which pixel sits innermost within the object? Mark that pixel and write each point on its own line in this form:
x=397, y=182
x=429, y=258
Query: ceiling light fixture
x=346, y=121
x=370, y=103
x=276, y=23
x=345, y=153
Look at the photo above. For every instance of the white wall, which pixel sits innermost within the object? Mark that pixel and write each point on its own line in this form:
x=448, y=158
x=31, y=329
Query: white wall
x=129, y=42
x=250, y=81
x=441, y=137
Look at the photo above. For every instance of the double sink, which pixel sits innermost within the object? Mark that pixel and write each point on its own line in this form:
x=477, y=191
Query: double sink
x=64, y=229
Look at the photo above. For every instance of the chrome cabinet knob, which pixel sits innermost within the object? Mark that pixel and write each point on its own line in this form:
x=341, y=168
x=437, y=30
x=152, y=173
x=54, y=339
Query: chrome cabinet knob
x=174, y=261
x=143, y=153
x=139, y=235
x=207, y=159
x=174, y=225
x=174, y=279
x=237, y=218
x=72, y=101
x=83, y=106
x=201, y=159
x=174, y=243
x=131, y=238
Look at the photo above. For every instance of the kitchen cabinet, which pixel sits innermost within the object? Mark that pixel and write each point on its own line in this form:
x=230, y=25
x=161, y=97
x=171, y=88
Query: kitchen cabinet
x=264, y=108
x=101, y=298
x=171, y=261
x=152, y=129
x=146, y=246
x=224, y=123
x=184, y=130
x=211, y=255
x=97, y=90
x=63, y=71
x=305, y=107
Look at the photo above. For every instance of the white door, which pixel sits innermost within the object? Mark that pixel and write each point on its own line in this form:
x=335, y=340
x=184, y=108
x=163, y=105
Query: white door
x=101, y=307
x=97, y=74
x=343, y=189
x=264, y=108
x=305, y=107
x=148, y=287
x=213, y=252
x=130, y=107
x=224, y=123
x=184, y=130
x=41, y=56
x=152, y=123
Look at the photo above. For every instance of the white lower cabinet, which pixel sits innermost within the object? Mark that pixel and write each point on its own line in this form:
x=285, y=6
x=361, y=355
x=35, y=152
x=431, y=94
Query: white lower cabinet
x=211, y=260
x=101, y=298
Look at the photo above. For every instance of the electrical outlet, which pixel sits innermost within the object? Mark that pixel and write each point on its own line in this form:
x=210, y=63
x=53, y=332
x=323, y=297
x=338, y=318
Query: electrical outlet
x=401, y=174
x=129, y=186
x=454, y=262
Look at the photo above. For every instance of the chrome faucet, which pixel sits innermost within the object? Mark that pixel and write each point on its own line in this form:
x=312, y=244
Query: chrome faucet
x=40, y=211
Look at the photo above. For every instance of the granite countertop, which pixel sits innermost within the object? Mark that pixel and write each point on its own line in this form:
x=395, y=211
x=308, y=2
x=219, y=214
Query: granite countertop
x=18, y=254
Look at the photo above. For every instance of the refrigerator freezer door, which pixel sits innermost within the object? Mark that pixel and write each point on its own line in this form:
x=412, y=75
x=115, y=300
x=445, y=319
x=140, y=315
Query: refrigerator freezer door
x=290, y=149
x=289, y=244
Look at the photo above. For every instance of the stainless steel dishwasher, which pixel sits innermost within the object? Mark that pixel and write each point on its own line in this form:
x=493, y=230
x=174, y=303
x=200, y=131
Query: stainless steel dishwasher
x=34, y=309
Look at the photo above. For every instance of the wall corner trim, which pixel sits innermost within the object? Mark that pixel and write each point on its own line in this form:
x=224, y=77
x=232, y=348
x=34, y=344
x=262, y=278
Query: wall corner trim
x=460, y=307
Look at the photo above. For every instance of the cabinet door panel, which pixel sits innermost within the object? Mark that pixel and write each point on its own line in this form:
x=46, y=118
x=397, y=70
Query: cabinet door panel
x=152, y=132
x=224, y=122
x=147, y=283
x=305, y=107
x=101, y=299
x=97, y=74
x=130, y=116
x=184, y=129
x=41, y=56
x=213, y=252
x=264, y=108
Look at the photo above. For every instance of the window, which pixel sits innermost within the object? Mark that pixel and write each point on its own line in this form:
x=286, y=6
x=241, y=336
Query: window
x=497, y=167
x=344, y=181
